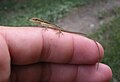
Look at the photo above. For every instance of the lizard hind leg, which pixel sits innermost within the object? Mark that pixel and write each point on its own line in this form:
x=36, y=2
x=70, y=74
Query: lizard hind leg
x=45, y=29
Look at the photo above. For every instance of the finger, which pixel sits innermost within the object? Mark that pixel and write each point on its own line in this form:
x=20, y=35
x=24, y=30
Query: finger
x=81, y=73
x=76, y=73
x=61, y=73
x=31, y=45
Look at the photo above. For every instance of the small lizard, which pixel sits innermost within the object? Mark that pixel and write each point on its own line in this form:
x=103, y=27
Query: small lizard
x=45, y=24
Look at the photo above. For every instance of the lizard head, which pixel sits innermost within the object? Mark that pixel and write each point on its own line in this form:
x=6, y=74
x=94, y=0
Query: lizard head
x=35, y=20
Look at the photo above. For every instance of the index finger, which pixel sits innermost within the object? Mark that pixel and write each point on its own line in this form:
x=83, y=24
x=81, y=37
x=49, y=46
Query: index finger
x=32, y=45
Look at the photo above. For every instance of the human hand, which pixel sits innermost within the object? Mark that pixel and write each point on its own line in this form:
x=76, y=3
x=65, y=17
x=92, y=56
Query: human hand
x=33, y=55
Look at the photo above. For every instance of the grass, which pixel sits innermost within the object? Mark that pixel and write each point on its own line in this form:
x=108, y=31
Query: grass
x=107, y=13
x=14, y=13
x=109, y=36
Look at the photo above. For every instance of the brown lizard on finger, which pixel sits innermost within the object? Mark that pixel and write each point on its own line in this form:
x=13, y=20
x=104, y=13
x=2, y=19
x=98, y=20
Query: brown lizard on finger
x=45, y=24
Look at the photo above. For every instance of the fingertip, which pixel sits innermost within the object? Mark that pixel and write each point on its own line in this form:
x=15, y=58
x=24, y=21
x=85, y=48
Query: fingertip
x=90, y=50
x=105, y=72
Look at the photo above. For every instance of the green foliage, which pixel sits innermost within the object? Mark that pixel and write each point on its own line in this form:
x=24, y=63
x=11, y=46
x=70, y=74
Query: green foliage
x=18, y=12
x=102, y=14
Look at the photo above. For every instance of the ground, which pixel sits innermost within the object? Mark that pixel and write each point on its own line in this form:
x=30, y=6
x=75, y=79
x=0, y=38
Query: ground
x=89, y=18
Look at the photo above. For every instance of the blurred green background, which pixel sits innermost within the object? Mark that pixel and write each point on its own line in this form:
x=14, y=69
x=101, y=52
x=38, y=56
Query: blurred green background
x=18, y=13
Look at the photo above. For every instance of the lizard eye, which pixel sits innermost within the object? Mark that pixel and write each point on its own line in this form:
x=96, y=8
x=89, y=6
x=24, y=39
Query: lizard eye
x=35, y=19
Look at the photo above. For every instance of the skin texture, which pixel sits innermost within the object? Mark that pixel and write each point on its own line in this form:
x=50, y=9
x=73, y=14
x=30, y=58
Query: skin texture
x=31, y=54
